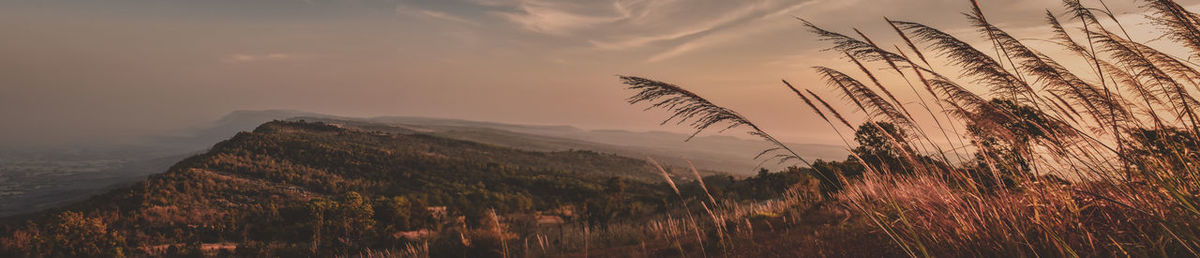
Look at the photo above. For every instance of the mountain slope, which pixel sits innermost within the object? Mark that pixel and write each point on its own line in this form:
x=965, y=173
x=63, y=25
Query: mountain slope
x=25, y=189
x=296, y=159
x=283, y=167
x=713, y=152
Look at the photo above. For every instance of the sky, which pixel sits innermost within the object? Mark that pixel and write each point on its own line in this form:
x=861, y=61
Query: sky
x=96, y=71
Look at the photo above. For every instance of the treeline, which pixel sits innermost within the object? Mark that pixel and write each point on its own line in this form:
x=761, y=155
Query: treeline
x=303, y=189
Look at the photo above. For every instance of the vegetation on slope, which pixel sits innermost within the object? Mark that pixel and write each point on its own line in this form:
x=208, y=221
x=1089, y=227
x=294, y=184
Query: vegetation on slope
x=270, y=186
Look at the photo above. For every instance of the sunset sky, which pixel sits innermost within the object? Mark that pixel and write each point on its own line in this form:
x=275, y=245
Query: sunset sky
x=79, y=71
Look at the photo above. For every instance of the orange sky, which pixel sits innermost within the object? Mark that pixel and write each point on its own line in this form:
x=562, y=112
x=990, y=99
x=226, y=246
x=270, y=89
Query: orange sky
x=79, y=71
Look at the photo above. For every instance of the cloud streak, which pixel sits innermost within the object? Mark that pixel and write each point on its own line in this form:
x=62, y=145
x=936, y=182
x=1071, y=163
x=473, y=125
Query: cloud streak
x=252, y=58
x=760, y=25
x=700, y=28
x=558, y=18
x=448, y=17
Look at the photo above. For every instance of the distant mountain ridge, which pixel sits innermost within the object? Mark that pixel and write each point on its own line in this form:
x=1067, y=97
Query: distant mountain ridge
x=26, y=189
x=717, y=152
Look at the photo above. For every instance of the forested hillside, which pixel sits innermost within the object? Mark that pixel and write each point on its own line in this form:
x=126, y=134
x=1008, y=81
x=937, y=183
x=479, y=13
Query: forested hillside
x=263, y=192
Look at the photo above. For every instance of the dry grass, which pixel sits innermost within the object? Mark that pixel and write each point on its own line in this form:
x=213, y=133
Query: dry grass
x=1125, y=131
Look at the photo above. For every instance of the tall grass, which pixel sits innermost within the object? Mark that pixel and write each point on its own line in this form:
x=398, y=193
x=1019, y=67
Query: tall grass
x=712, y=229
x=1120, y=124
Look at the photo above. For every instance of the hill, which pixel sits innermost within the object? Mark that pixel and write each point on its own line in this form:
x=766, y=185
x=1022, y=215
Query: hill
x=713, y=152
x=34, y=180
x=278, y=172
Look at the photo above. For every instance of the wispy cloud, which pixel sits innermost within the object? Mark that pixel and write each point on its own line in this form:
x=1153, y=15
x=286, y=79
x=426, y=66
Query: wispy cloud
x=640, y=41
x=249, y=58
x=557, y=18
x=627, y=25
x=765, y=23
x=413, y=11
x=448, y=17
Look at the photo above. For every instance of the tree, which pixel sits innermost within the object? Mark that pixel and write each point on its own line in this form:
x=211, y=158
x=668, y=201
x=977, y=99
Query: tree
x=401, y=213
x=607, y=206
x=74, y=235
x=877, y=145
x=342, y=224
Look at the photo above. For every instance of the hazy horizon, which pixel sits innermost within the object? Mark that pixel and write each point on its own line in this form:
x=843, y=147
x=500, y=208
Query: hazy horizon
x=88, y=71
x=236, y=117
